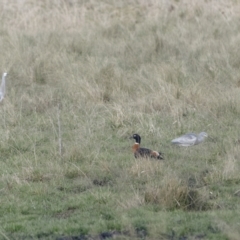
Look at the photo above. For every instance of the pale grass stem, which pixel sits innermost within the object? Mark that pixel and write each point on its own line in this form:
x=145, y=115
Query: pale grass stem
x=4, y=236
x=59, y=132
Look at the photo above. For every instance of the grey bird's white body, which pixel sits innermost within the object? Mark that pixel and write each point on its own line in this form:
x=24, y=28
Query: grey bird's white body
x=189, y=139
x=3, y=87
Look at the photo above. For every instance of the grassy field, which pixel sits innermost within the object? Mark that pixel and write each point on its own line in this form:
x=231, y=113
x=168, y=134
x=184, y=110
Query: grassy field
x=83, y=76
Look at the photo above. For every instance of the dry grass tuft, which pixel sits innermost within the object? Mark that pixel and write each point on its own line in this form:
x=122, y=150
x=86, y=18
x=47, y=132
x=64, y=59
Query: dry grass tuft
x=174, y=194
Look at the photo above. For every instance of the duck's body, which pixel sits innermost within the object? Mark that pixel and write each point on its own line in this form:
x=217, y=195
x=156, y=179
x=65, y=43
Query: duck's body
x=189, y=139
x=143, y=152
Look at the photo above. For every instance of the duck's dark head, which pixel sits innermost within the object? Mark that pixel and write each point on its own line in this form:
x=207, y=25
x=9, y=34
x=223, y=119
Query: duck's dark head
x=136, y=137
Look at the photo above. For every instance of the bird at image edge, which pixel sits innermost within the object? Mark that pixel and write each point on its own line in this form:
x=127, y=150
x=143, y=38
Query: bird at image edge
x=143, y=152
x=2, y=87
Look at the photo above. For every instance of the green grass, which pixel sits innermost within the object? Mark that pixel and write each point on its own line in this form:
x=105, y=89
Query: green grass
x=82, y=78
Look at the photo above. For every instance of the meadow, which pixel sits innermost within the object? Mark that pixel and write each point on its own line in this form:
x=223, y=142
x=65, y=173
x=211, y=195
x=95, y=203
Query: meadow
x=83, y=76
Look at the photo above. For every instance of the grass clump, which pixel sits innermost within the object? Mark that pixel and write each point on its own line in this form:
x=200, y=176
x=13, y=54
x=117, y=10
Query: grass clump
x=176, y=195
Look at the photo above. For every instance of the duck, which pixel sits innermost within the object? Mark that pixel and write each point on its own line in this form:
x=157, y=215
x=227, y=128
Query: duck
x=190, y=139
x=143, y=152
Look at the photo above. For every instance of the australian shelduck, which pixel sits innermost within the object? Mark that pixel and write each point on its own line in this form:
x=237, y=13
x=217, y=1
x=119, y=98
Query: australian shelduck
x=143, y=152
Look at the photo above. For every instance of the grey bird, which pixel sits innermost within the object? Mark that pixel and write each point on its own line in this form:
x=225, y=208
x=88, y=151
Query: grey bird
x=189, y=139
